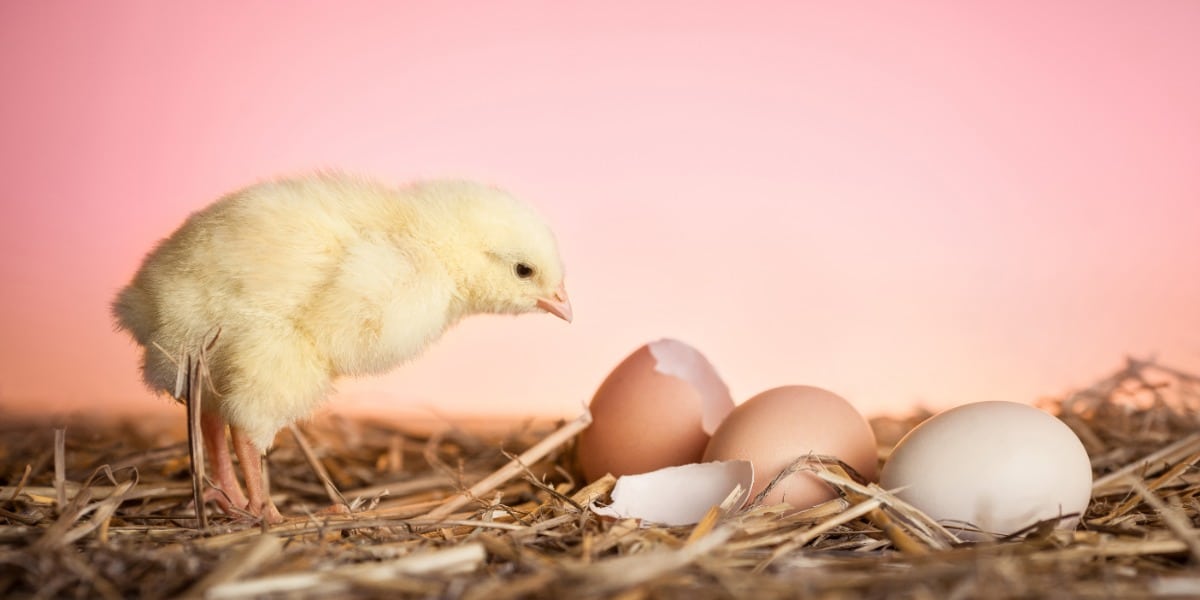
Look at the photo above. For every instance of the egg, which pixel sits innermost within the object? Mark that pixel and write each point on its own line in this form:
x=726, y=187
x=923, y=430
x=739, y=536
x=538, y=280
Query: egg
x=995, y=466
x=774, y=428
x=656, y=409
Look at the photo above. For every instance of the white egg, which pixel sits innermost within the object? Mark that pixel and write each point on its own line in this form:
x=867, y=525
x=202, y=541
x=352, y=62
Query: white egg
x=993, y=466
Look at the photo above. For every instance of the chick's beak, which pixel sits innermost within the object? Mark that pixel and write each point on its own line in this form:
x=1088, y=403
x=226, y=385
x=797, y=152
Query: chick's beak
x=559, y=305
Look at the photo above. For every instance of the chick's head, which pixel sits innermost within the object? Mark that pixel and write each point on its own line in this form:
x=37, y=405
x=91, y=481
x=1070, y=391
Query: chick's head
x=507, y=255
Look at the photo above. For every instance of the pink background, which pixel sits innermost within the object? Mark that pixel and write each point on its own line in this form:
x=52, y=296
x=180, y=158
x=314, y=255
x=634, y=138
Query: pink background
x=904, y=202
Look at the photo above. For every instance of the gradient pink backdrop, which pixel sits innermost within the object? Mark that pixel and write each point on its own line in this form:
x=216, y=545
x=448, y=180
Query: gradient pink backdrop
x=934, y=202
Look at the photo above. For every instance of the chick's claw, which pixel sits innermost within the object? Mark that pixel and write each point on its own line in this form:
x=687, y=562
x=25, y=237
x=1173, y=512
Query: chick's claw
x=222, y=500
x=270, y=514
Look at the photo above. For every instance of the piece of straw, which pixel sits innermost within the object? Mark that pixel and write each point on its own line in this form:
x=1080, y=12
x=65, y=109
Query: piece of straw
x=514, y=467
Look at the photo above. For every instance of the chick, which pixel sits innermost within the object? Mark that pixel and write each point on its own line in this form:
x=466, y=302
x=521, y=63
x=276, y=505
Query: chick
x=314, y=278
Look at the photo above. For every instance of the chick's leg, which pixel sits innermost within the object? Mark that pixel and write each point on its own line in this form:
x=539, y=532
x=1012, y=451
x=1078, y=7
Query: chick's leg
x=228, y=494
x=251, y=458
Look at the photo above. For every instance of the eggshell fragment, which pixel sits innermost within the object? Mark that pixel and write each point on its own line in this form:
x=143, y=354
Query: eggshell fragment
x=996, y=467
x=678, y=495
x=679, y=360
x=656, y=409
x=780, y=425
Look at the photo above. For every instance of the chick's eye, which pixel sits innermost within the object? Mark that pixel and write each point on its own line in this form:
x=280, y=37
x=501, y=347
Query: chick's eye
x=523, y=270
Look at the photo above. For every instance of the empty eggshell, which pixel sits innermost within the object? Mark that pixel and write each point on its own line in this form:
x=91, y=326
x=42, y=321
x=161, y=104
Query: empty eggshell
x=991, y=467
x=656, y=409
x=679, y=495
x=780, y=425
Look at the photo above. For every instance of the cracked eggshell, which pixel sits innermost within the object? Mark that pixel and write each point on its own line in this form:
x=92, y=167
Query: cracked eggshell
x=679, y=495
x=778, y=426
x=995, y=466
x=656, y=409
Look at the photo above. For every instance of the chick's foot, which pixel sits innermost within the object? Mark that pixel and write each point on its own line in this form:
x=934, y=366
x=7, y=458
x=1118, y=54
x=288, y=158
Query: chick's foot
x=227, y=493
x=251, y=457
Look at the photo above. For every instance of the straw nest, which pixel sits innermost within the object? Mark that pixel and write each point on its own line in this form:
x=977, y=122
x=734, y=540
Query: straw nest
x=105, y=511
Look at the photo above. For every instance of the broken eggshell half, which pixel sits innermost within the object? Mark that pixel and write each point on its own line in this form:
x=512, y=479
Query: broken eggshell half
x=679, y=495
x=656, y=409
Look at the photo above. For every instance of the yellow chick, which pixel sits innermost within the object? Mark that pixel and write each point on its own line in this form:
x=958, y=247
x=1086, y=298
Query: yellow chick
x=314, y=278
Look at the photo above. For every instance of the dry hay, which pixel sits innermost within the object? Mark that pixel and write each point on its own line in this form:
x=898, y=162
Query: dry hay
x=103, y=511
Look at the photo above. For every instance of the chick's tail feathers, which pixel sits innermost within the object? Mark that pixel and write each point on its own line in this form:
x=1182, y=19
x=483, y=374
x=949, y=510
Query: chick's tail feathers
x=133, y=311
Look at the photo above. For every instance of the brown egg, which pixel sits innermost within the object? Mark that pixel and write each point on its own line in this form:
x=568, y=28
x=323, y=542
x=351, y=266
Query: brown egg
x=656, y=409
x=776, y=427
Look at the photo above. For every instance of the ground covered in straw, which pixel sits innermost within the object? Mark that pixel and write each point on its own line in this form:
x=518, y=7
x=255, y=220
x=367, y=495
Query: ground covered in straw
x=103, y=510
